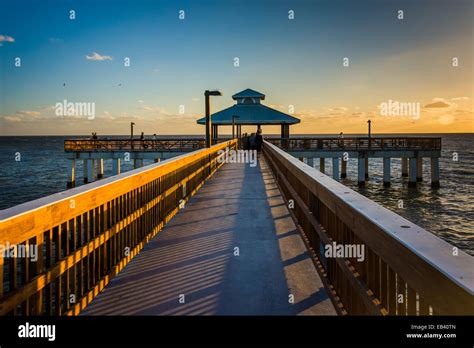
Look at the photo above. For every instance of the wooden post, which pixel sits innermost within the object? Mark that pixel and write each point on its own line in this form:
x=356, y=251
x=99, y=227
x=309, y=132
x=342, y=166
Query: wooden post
x=366, y=168
x=343, y=168
x=90, y=170
x=412, y=172
x=361, y=171
x=100, y=168
x=335, y=168
x=434, y=172
x=71, y=173
x=419, y=169
x=386, y=171
x=404, y=166
x=116, y=166
x=322, y=164
x=85, y=170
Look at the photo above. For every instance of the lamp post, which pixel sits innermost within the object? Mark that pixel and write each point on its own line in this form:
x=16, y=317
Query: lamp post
x=131, y=134
x=233, y=125
x=207, y=95
x=370, y=140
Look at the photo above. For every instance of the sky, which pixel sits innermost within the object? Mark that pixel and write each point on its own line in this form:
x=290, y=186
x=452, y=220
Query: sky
x=297, y=63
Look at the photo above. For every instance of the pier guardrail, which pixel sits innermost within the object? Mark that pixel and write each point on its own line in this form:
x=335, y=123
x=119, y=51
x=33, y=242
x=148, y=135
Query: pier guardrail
x=406, y=269
x=85, y=236
x=357, y=143
x=105, y=145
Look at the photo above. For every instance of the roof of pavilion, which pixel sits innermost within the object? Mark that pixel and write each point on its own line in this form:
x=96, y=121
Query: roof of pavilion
x=250, y=114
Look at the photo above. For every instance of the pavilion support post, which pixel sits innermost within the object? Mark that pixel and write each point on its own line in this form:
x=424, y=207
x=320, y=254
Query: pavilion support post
x=386, y=171
x=404, y=166
x=343, y=168
x=116, y=166
x=419, y=169
x=322, y=164
x=335, y=168
x=412, y=172
x=434, y=172
x=285, y=134
x=100, y=168
x=361, y=171
x=71, y=173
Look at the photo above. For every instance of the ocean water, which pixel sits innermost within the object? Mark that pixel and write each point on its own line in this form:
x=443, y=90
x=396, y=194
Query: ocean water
x=447, y=212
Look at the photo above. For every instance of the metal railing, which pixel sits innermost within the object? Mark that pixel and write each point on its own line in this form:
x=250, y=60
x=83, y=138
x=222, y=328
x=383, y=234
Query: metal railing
x=105, y=145
x=357, y=143
x=405, y=270
x=85, y=236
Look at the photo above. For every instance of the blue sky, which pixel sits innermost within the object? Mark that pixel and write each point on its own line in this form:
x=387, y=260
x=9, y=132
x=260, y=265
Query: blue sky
x=173, y=61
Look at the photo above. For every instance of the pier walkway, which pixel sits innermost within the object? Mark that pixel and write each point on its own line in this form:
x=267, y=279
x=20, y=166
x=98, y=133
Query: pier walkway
x=195, y=234
x=232, y=250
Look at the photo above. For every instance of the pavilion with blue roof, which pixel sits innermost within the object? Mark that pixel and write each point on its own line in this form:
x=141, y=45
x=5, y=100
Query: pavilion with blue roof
x=250, y=111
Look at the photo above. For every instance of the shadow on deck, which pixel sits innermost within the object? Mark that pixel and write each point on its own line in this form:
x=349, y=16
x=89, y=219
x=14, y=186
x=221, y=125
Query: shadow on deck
x=194, y=256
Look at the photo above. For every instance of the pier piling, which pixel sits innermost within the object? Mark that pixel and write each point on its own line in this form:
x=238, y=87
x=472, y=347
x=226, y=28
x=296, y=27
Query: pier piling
x=434, y=172
x=361, y=171
x=343, y=169
x=405, y=166
x=116, y=166
x=419, y=169
x=71, y=173
x=386, y=171
x=84, y=170
x=335, y=168
x=321, y=165
x=100, y=168
x=412, y=172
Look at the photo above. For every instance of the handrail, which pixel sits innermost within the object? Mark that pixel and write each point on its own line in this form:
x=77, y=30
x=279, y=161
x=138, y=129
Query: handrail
x=357, y=143
x=406, y=271
x=85, y=236
x=150, y=145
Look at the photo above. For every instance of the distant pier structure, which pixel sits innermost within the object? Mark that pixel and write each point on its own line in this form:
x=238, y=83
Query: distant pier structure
x=411, y=150
x=93, y=153
x=249, y=111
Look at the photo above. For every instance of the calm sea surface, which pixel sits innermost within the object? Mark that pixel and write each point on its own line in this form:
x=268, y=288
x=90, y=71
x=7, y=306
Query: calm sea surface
x=447, y=212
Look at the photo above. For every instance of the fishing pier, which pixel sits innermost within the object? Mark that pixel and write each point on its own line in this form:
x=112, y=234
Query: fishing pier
x=192, y=234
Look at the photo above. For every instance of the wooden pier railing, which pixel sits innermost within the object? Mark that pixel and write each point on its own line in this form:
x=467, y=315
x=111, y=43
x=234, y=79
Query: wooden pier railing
x=357, y=143
x=86, y=235
x=406, y=270
x=105, y=145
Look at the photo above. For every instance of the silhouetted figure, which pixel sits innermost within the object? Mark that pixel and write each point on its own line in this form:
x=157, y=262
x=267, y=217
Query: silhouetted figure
x=94, y=135
x=258, y=140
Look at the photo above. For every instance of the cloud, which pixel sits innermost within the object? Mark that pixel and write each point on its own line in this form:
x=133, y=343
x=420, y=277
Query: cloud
x=439, y=103
x=55, y=40
x=6, y=38
x=12, y=118
x=460, y=98
x=97, y=56
x=28, y=113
